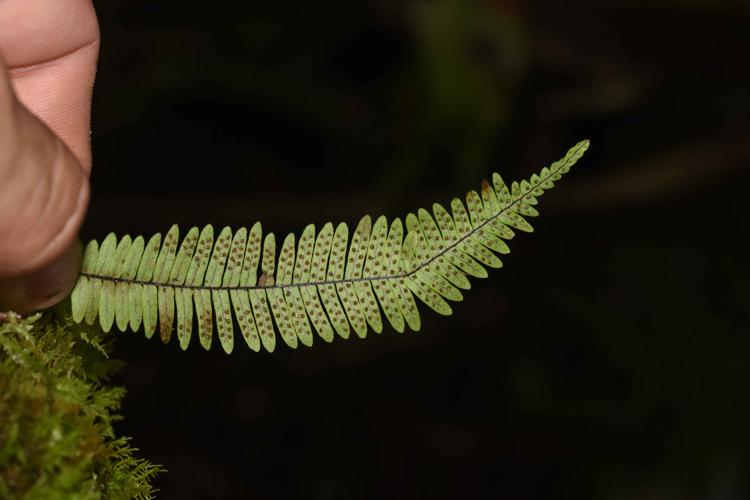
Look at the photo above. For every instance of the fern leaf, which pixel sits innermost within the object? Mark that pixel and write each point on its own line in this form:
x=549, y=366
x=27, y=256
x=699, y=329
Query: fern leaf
x=323, y=283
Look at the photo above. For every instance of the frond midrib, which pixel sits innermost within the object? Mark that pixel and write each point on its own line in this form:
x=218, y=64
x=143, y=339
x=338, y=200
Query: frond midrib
x=344, y=281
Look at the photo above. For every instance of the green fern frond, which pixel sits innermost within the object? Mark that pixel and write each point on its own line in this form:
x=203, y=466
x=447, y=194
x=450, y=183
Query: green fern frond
x=327, y=282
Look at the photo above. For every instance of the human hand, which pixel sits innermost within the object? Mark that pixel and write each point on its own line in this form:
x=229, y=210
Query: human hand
x=48, y=54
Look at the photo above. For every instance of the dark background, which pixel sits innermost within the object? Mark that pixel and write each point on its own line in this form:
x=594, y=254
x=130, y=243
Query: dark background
x=608, y=359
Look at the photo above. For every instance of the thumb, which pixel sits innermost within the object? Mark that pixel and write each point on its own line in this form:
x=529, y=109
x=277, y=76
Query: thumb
x=44, y=192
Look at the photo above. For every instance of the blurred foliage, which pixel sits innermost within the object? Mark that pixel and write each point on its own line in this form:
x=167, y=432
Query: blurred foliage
x=614, y=371
x=56, y=437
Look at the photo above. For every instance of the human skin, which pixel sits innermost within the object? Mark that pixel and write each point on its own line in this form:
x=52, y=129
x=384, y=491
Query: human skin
x=48, y=56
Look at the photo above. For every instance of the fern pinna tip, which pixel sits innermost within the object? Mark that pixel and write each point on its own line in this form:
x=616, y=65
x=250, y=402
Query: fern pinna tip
x=325, y=282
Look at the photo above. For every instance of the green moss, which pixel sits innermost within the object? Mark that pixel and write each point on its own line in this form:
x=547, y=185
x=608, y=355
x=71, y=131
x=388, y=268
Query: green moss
x=56, y=415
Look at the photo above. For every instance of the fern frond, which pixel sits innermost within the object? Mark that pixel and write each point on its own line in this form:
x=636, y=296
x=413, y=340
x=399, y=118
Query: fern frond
x=328, y=283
